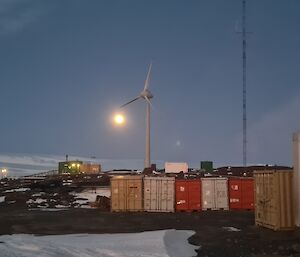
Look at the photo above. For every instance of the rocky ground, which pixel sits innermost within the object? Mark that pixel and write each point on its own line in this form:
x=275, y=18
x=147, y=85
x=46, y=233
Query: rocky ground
x=219, y=233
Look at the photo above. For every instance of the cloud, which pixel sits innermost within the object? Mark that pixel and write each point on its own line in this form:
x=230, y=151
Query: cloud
x=270, y=139
x=15, y=15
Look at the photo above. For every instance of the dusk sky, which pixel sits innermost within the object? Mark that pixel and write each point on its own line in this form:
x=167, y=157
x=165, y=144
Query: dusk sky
x=67, y=65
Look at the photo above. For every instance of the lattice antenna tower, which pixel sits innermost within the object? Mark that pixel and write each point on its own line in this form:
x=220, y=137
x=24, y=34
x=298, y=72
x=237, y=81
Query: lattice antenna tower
x=244, y=40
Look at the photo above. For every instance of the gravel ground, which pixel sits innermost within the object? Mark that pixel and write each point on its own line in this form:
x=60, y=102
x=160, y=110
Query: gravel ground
x=213, y=229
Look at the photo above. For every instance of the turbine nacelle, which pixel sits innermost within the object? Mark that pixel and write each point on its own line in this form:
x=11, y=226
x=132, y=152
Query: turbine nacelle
x=146, y=94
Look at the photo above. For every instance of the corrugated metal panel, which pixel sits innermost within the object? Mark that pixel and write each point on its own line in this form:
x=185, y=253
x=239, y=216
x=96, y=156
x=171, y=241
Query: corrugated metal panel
x=194, y=190
x=241, y=193
x=188, y=195
x=214, y=193
x=221, y=193
x=248, y=194
x=126, y=193
x=273, y=199
x=159, y=194
x=182, y=195
x=235, y=194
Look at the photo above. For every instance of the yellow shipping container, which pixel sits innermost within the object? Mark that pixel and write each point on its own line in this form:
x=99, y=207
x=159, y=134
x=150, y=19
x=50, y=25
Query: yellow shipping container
x=126, y=193
x=274, y=199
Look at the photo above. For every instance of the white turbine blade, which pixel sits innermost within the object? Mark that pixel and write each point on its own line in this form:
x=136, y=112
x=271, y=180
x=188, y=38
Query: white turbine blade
x=130, y=102
x=148, y=100
x=147, y=81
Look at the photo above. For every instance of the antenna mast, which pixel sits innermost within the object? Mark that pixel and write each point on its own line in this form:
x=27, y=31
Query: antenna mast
x=244, y=86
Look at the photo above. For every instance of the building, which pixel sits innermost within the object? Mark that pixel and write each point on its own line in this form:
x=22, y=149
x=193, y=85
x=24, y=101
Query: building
x=77, y=167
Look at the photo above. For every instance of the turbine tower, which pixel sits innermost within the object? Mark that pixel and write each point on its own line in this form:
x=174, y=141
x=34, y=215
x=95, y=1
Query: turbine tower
x=146, y=95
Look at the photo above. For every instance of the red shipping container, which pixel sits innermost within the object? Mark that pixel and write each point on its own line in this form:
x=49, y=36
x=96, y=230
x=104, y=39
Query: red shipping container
x=188, y=195
x=241, y=193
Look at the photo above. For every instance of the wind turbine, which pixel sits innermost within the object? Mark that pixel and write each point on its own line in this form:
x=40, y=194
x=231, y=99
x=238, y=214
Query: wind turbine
x=146, y=95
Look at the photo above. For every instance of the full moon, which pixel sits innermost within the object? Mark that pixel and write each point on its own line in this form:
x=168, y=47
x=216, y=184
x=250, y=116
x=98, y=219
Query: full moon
x=119, y=119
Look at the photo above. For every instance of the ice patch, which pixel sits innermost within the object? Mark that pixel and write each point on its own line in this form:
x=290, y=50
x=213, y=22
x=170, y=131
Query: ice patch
x=231, y=229
x=164, y=243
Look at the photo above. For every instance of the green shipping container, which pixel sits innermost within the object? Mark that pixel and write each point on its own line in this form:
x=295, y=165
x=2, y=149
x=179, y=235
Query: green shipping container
x=207, y=166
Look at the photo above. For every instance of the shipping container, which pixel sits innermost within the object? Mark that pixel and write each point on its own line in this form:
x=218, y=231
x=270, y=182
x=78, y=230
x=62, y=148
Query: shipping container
x=127, y=193
x=159, y=194
x=241, y=193
x=207, y=166
x=296, y=177
x=214, y=193
x=274, y=199
x=176, y=167
x=188, y=194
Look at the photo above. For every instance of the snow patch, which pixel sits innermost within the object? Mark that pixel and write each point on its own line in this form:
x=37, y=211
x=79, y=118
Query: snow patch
x=164, y=243
x=2, y=199
x=231, y=229
x=89, y=195
x=38, y=200
x=17, y=190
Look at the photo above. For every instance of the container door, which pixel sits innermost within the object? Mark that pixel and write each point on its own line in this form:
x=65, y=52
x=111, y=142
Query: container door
x=167, y=195
x=154, y=191
x=247, y=194
x=270, y=201
x=118, y=195
x=208, y=194
x=235, y=194
x=221, y=194
x=134, y=194
x=259, y=199
x=170, y=195
x=148, y=194
x=181, y=195
x=194, y=195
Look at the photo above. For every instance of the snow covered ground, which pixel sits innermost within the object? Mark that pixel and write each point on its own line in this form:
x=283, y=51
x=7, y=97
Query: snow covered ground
x=163, y=243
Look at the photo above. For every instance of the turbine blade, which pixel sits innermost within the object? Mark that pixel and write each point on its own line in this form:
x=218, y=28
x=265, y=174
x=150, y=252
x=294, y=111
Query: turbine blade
x=148, y=100
x=130, y=102
x=147, y=81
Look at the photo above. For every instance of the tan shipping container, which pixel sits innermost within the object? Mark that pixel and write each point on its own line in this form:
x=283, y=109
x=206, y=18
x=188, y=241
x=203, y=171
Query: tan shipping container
x=274, y=199
x=159, y=194
x=214, y=193
x=126, y=193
